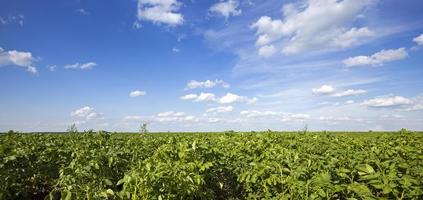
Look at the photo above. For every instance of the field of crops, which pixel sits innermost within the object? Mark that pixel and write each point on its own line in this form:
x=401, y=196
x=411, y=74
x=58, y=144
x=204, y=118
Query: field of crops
x=212, y=166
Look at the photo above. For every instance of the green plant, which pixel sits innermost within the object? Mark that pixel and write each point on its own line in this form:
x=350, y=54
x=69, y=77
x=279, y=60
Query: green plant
x=143, y=129
x=72, y=129
x=234, y=165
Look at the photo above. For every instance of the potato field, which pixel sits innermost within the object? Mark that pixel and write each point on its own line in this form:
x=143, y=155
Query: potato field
x=262, y=165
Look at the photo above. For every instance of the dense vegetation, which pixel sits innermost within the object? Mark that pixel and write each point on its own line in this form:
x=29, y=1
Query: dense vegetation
x=212, y=166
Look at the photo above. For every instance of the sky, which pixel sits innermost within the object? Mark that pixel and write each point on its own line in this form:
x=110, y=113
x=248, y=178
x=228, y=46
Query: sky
x=211, y=65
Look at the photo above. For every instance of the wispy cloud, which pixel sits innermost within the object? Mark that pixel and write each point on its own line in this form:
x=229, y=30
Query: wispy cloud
x=229, y=98
x=193, y=84
x=82, y=11
x=82, y=66
x=12, y=19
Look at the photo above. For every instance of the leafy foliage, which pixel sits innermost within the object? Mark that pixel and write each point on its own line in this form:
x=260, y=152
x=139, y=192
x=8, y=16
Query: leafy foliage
x=267, y=165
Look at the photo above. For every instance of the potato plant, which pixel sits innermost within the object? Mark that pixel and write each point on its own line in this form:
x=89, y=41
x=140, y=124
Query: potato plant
x=230, y=165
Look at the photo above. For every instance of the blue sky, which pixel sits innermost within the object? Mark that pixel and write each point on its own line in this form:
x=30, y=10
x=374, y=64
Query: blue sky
x=211, y=65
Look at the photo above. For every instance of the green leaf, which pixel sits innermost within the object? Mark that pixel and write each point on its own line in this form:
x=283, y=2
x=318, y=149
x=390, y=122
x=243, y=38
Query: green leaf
x=68, y=195
x=361, y=189
x=365, y=169
x=110, y=192
x=108, y=182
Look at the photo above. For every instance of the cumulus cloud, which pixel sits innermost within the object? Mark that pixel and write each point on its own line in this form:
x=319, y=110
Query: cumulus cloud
x=82, y=66
x=200, y=98
x=267, y=51
x=300, y=31
x=193, y=84
x=226, y=8
x=417, y=104
x=349, y=92
x=281, y=116
x=226, y=99
x=387, y=101
x=378, y=58
x=419, y=40
x=324, y=90
x=137, y=93
x=331, y=90
x=189, y=97
x=160, y=12
x=18, y=58
x=87, y=113
x=220, y=109
x=352, y=37
x=233, y=98
x=172, y=116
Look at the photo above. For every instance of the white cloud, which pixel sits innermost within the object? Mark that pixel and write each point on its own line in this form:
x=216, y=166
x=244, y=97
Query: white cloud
x=18, y=58
x=171, y=113
x=136, y=25
x=227, y=99
x=333, y=119
x=280, y=116
x=419, y=40
x=221, y=109
x=87, y=113
x=12, y=19
x=301, y=31
x=175, y=50
x=349, y=102
x=352, y=37
x=233, y=98
x=349, y=92
x=172, y=116
x=134, y=118
x=267, y=51
x=82, y=11
x=295, y=117
x=137, y=93
x=331, y=90
x=52, y=68
x=164, y=117
x=416, y=106
x=193, y=84
x=205, y=97
x=226, y=8
x=160, y=12
x=214, y=120
x=324, y=90
x=387, y=101
x=189, y=97
x=200, y=98
x=255, y=113
x=82, y=66
x=378, y=58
